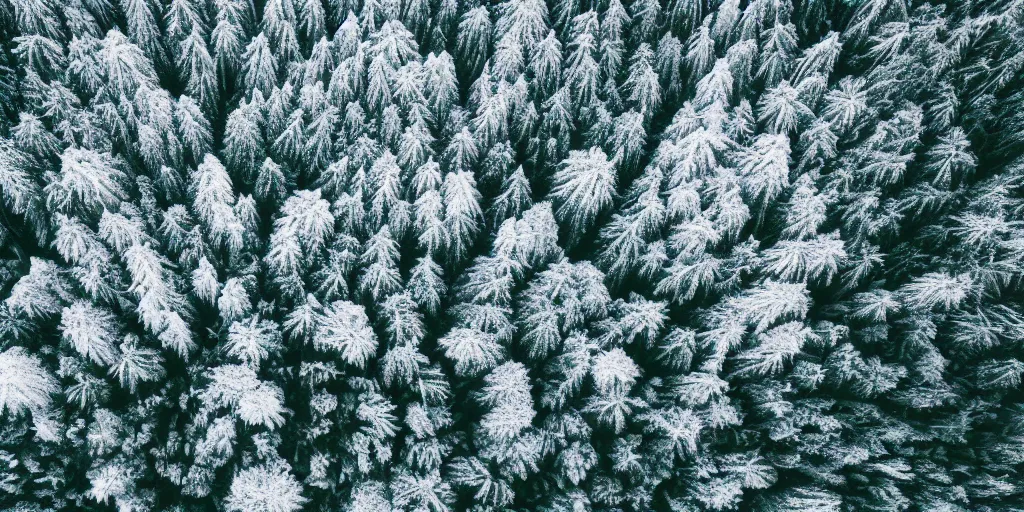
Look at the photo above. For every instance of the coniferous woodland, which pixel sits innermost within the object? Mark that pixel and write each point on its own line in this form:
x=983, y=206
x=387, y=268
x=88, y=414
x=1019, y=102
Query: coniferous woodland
x=452, y=255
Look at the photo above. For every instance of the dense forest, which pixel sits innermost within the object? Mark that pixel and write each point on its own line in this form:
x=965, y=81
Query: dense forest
x=527, y=255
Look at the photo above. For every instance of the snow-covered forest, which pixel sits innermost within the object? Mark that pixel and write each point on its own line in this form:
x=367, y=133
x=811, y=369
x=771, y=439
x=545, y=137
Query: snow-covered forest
x=522, y=255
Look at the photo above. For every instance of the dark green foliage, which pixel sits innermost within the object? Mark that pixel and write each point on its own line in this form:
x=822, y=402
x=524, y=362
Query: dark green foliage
x=441, y=255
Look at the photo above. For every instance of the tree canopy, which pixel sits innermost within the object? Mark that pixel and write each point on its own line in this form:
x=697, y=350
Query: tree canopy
x=527, y=255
